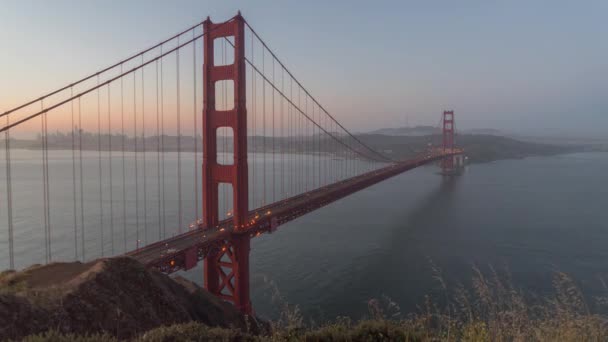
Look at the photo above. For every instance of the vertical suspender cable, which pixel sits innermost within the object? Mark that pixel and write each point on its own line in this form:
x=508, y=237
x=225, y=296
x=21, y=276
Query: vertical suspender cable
x=263, y=129
x=332, y=161
x=224, y=101
x=306, y=175
x=48, y=192
x=158, y=156
x=282, y=141
x=291, y=151
x=179, y=146
x=227, y=205
x=254, y=133
x=299, y=142
x=135, y=154
x=9, y=196
x=315, y=131
x=143, y=145
x=46, y=252
x=99, y=167
x=273, y=140
x=82, y=228
x=110, y=172
x=318, y=147
x=196, y=218
x=288, y=147
x=123, y=137
x=162, y=143
x=324, y=149
x=44, y=198
x=74, y=177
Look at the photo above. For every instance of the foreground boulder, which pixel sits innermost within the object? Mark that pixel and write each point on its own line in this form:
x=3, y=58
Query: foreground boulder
x=117, y=296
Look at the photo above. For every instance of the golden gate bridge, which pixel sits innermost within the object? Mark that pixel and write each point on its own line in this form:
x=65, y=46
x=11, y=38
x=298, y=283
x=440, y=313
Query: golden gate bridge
x=212, y=105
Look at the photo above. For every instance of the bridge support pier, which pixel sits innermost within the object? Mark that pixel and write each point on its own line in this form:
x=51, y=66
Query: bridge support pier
x=227, y=266
x=227, y=272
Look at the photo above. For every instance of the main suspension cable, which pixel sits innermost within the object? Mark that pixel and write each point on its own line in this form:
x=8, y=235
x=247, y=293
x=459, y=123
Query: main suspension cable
x=298, y=109
x=386, y=159
x=102, y=71
x=132, y=70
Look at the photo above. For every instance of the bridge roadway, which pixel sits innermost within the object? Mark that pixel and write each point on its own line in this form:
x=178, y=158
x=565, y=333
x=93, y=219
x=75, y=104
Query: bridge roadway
x=184, y=251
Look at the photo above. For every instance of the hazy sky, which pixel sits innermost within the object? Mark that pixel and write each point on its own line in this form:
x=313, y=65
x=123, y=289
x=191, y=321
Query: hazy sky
x=532, y=67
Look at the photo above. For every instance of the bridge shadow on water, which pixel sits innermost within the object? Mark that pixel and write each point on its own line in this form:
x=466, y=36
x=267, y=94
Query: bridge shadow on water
x=401, y=269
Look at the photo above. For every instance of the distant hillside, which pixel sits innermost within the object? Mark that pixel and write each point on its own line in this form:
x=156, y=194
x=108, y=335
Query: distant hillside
x=478, y=147
x=430, y=130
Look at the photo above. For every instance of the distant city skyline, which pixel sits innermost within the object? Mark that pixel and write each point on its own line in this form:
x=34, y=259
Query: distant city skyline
x=527, y=68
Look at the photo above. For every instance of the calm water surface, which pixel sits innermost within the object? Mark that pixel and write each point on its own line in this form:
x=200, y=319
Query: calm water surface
x=530, y=216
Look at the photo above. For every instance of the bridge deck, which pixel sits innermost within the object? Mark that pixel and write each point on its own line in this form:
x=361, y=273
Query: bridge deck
x=185, y=250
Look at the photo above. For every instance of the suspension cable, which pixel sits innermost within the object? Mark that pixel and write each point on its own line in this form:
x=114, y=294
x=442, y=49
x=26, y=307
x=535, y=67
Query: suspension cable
x=132, y=70
x=9, y=195
x=273, y=143
x=44, y=183
x=263, y=133
x=224, y=97
x=143, y=144
x=298, y=109
x=135, y=156
x=102, y=71
x=254, y=136
x=162, y=143
x=251, y=63
x=179, y=146
x=307, y=92
x=99, y=169
x=283, y=136
x=48, y=193
x=124, y=190
x=196, y=208
x=158, y=156
x=82, y=227
x=110, y=171
x=74, y=179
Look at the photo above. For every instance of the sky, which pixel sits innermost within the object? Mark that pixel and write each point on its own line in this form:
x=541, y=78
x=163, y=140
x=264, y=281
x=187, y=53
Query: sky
x=524, y=67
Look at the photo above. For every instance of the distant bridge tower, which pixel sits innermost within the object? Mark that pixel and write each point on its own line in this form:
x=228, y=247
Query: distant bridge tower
x=227, y=267
x=447, y=164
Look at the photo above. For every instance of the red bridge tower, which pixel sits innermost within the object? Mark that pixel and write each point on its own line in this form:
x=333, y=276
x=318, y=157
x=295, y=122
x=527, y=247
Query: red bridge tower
x=227, y=268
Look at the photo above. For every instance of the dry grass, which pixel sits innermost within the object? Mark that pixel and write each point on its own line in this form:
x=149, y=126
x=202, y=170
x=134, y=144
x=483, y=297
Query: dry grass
x=492, y=309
